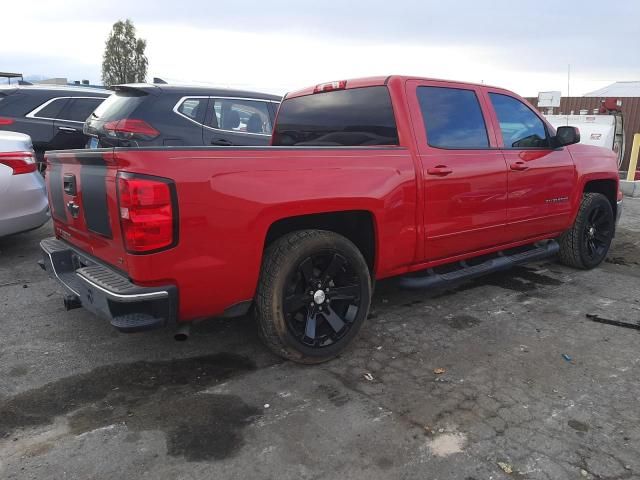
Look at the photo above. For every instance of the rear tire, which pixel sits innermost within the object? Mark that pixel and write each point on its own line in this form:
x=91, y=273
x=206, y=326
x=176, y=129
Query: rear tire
x=313, y=296
x=587, y=243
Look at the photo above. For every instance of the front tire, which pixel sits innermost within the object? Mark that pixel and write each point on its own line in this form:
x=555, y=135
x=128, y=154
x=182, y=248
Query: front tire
x=587, y=243
x=313, y=296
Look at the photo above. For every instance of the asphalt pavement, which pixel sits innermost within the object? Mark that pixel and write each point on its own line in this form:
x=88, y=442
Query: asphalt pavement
x=501, y=377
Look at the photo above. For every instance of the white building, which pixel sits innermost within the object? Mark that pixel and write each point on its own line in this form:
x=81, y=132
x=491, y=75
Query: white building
x=617, y=90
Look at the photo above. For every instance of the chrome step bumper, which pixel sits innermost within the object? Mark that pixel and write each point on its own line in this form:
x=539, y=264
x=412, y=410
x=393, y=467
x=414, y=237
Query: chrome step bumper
x=106, y=292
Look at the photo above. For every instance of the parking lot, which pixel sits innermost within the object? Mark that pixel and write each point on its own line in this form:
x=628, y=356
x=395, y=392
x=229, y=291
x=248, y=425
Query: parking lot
x=503, y=377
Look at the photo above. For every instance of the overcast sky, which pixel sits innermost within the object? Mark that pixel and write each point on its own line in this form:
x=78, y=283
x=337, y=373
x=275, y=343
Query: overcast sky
x=279, y=45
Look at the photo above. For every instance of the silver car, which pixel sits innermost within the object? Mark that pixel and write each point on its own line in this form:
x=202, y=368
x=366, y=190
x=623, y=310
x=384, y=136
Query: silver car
x=23, y=197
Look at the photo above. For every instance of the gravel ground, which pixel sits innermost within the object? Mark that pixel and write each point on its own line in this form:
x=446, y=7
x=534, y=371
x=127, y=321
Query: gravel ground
x=502, y=377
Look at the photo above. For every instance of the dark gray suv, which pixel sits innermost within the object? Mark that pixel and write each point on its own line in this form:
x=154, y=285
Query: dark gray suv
x=52, y=116
x=141, y=115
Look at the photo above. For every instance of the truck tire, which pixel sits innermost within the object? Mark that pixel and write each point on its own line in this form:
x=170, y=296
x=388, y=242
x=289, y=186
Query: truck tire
x=313, y=296
x=587, y=243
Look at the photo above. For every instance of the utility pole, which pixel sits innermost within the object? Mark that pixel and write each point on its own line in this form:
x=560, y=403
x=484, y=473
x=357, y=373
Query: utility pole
x=568, y=80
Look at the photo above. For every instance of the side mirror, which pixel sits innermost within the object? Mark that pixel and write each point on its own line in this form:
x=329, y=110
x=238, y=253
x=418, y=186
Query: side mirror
x=566, y=136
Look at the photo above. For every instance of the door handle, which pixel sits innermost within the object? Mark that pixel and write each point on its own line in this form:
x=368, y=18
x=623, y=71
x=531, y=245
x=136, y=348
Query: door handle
x=222, y=142
x=439, y=170
x=68, y=129
x=519, y=166
x=69, y=184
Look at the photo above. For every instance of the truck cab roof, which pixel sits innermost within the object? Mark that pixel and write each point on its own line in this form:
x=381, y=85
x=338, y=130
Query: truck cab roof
x=380, y=80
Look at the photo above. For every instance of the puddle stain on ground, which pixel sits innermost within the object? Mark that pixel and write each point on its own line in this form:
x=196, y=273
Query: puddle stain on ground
x=337, y=397
x=163, y=395
x=519, y=279
x=19, y=371
x=462, y=321
x=578, y=426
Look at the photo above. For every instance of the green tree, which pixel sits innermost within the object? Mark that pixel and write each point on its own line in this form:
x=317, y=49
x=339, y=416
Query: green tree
x=124, y=60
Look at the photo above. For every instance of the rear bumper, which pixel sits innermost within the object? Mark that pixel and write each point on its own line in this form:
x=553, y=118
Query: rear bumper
x=24, y=223
x=24, y=205
x=107, y=293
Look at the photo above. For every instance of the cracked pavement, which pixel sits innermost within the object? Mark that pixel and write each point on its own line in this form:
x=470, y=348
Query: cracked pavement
x=526, y=383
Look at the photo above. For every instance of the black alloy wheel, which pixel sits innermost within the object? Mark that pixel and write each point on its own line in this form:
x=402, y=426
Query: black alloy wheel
x=322, y=299
x=586, y=244
x=597, y=232
x=313, y=296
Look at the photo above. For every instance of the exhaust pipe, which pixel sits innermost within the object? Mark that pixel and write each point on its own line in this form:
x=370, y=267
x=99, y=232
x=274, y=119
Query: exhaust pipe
x=182, y=333
x=71, y=302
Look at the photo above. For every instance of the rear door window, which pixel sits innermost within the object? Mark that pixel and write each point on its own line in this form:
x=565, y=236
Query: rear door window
x=452, y=118
x=193, y=108
x=353, y=117
x=50, y=109
x=79, y=109
x=520, y=127
x=241, y=116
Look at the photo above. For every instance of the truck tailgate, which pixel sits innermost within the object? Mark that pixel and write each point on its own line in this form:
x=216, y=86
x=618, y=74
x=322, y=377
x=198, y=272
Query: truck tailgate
x=82, y=193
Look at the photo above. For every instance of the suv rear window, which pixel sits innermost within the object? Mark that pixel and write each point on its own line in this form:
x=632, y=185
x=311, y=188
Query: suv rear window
x=355, y=117
x=118, y=106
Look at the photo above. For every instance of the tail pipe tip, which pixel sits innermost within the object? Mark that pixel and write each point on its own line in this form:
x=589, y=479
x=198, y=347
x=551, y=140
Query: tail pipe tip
x=182, y=333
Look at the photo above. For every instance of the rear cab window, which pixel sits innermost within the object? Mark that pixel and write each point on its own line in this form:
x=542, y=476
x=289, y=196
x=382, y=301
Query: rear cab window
x=352, y=117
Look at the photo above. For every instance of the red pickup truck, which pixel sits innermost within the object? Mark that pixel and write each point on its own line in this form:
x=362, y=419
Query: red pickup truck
x=434, y=181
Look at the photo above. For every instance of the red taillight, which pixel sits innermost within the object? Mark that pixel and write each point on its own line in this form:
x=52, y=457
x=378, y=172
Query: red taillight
x=20, y=162
x=329, y=86
x=147, y=213
x=131, y=128
x=6, y=121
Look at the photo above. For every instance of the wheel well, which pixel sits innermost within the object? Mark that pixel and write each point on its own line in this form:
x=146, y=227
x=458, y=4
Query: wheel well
x=357, y=226
x=605, y=187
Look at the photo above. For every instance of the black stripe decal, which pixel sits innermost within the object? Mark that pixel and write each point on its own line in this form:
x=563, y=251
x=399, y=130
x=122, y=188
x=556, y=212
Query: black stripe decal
x=54, y=172
x=94, y=195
